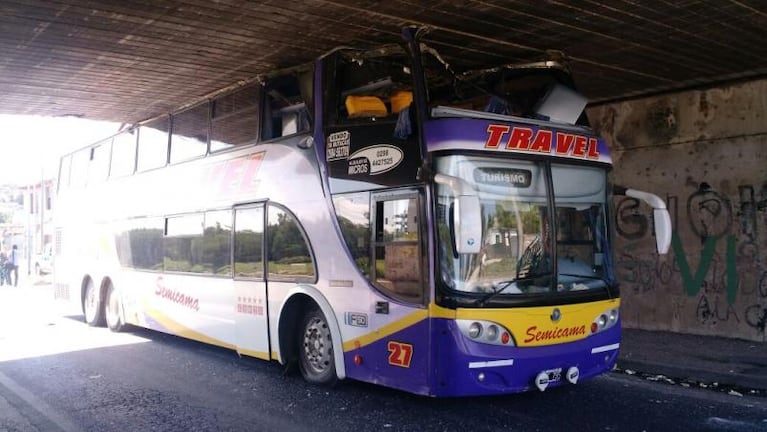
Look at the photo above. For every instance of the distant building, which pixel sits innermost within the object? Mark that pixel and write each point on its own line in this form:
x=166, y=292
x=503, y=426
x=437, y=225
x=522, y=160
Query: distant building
x=12, y=217
x=26, y=214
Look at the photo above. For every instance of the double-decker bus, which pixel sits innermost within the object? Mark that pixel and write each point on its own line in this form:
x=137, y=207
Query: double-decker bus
x=378, y=215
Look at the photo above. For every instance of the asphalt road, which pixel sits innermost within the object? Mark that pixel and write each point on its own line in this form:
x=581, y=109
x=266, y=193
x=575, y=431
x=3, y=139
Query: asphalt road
x=57, y=374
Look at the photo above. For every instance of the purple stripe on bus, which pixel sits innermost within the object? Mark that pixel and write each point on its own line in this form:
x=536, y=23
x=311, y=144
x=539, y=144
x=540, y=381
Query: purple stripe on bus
x=474, y=134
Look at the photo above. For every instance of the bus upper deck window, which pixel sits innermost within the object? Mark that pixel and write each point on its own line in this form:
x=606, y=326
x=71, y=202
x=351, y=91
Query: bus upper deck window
x=235, y=118
x=285, y=109
x=153, y=144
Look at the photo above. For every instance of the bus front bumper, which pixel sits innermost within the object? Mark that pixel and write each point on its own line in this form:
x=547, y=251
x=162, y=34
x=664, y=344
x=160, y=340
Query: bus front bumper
x=469, y=368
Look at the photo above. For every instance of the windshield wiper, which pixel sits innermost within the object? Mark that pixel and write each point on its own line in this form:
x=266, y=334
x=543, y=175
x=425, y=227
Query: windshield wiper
x=584, y=276
x=498, y=289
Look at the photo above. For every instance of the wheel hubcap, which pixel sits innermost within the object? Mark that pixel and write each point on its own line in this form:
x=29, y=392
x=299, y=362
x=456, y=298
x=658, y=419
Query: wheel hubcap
x=112, y=310
x=90, y=303
x=318, y=347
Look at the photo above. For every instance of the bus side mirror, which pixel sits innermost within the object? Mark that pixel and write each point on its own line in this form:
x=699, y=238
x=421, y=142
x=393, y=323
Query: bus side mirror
x=661, y=217
x=662, y=230
x=467, y=214
x=468, y=224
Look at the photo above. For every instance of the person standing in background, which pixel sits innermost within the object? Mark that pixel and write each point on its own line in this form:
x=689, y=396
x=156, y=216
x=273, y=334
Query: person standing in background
x=13, y=266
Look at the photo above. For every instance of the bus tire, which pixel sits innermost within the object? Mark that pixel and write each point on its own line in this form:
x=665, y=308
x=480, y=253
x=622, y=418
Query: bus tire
x=315, y=349
x=93, y=308
x=112, y=308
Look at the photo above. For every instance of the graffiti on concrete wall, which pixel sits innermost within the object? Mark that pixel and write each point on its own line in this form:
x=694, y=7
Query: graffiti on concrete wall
x=631, y=224
x=709, y=213
x=640, y=273
x=756, y=314
x=722, y=270
x=694, y=281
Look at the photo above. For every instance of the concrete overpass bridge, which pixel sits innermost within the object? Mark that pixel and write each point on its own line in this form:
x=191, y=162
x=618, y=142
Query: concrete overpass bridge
x=128, y=61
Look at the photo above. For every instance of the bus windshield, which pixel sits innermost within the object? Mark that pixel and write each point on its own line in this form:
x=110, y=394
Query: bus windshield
x=520, y=242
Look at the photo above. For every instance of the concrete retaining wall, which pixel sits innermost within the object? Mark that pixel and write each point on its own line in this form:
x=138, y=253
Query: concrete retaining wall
x=705, y=152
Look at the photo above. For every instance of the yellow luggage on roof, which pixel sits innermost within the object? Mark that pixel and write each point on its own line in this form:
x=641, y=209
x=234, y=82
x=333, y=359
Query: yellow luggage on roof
x=400, y=100
x=365, y=106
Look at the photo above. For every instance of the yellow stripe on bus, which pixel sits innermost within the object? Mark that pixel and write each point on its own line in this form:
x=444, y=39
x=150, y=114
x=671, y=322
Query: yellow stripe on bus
x=185, y=332
x=534, y=326
x=529, y=326
x=257, y=354
x=441, y=312
x=387, y=330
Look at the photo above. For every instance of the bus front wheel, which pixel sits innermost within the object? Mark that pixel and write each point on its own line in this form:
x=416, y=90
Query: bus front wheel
x=92, y=306
x=315, y=349
x=112, y=311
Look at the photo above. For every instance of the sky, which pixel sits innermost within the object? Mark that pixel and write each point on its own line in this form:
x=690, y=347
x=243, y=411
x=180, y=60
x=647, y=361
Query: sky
x=32, y=145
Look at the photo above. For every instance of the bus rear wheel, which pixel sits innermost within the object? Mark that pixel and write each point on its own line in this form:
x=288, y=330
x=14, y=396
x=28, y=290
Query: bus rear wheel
x=315, y=349
x=112, y=311
x=93, y=308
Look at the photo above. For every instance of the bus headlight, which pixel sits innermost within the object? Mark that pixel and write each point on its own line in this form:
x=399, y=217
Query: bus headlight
x=485, y=332
x=604, y=321
x=492, y=332
x=475, y=329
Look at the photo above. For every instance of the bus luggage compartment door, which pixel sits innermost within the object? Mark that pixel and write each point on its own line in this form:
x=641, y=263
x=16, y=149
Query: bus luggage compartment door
x=251, y=326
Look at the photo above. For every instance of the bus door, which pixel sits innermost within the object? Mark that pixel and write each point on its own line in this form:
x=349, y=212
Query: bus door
x=250, y=287
x=398, y=272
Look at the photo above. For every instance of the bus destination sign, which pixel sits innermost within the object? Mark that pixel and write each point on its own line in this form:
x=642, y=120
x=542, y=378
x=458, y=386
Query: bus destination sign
x=503, y=177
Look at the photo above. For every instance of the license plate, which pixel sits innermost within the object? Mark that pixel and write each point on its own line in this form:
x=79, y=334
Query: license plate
x=555, y=375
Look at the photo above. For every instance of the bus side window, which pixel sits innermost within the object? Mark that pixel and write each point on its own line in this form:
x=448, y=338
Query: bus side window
x=153, y=144
x=181, y=232
x=397, y=251
x=140, y=243
x=198, y=243
x=249, y=242
x=235, y=119
x=189, y=133
x=216, y=242
x=353, y=214
x=64, y=171
x=123, y=154
x=285, y=109
x=289, y=256
x=98, y=166
x=79, y=168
